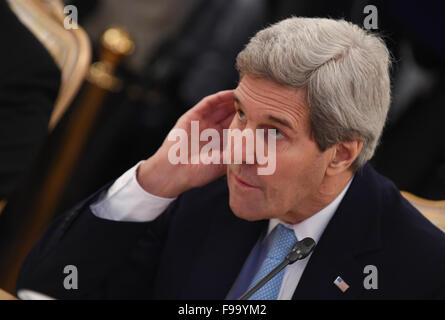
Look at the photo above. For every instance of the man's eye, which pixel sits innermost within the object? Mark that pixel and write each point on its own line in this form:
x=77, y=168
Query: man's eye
x=241, y=115
x=277, y=133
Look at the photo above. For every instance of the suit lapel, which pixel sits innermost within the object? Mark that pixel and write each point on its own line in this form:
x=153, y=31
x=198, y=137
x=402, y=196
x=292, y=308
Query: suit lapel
x=352, y=231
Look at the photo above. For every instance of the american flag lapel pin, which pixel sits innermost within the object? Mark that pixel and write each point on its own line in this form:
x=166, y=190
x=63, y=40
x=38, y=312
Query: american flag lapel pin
x=341, y=284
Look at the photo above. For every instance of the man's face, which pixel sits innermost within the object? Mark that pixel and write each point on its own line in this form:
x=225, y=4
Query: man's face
x=290, y=193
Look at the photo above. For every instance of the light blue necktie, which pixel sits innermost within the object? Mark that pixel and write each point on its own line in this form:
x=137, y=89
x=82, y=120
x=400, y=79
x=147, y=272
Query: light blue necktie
x=279, y=243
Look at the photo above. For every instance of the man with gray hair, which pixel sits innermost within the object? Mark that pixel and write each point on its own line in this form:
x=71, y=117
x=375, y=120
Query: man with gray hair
x=195, y=230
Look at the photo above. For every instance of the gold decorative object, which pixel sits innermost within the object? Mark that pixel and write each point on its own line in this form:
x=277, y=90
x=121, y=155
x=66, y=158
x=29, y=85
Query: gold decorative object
x=116, y=44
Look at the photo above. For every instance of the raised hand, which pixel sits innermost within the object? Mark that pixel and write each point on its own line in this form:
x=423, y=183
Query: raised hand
x=159, y=176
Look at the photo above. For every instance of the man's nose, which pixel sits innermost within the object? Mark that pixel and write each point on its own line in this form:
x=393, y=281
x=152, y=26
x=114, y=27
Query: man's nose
x=245, y=147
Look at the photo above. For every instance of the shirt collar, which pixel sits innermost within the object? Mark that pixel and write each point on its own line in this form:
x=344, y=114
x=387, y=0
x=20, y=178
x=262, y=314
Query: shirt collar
x=313, y=226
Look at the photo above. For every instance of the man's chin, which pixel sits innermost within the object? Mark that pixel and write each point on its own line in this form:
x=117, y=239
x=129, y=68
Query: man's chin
x=242, y=211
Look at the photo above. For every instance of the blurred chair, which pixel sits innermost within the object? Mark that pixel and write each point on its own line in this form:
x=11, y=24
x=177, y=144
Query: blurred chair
x=21, y=230
x=6, y=296
x=432, y=210
x=116, y=45
x=70, y=49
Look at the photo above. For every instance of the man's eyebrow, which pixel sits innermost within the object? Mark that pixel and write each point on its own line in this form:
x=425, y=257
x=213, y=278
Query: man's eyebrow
x=280, y=121
x=270, y=117
x=236, y=99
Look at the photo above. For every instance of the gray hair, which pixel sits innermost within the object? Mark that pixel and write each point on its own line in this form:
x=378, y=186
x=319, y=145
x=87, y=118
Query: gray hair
x=344, y=69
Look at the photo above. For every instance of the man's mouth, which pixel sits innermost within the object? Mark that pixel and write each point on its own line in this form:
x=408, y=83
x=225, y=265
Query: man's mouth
x=243, y=183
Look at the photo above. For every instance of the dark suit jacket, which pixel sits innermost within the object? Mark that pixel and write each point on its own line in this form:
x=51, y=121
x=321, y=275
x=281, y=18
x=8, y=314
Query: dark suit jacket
x=29, y=84
x=197, y=247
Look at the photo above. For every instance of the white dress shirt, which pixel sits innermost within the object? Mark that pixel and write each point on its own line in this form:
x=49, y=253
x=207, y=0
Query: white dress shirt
x=126, y=200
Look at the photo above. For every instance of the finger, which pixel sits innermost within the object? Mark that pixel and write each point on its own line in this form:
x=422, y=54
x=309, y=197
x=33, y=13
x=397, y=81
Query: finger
x=206, y=105
x=225, y=123
x=220, y=112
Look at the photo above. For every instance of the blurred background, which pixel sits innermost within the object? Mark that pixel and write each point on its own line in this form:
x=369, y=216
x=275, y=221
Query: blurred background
x=68, y=128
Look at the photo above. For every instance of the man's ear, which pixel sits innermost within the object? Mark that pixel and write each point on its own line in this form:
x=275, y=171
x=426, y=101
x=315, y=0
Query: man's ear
x=343, y=156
